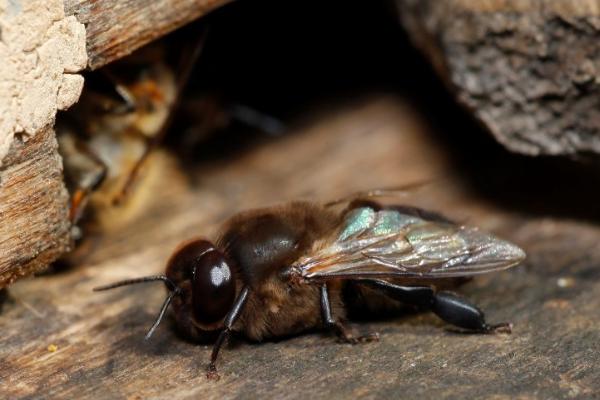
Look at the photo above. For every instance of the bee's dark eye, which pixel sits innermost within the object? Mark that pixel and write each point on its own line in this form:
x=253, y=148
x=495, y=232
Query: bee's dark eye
x=182, y=263
x=198, y=265
x=213, y=287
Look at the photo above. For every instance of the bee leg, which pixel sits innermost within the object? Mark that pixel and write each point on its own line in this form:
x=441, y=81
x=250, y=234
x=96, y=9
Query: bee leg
x=256, y=119
x=86, y=185
x=449, y=306
x=183, y=73
x=420, y=296
x=150, y=143
x=232, y=316
x=458, y=311
x=337, y=327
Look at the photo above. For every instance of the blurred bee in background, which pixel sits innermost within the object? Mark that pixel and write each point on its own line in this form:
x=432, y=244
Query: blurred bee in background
x=287, y=269
x=125, y=112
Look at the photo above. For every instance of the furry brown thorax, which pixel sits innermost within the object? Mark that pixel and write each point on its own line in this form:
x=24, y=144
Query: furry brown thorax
x=253, y=248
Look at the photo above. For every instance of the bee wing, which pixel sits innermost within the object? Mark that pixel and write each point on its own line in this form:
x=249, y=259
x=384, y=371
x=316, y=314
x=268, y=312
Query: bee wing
x=394, y=191
x=389, y=243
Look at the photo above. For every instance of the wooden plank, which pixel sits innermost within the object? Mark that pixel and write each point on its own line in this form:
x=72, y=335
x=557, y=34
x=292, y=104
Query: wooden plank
x=34, y=225
x=115, y=28
x=41, y=52
x=552, y=299
x=528, y=69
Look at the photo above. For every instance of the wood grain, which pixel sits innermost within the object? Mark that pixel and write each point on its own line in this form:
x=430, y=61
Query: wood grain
x=34, y=227
x=115, y=28
x=527, y=69
x=551, y=299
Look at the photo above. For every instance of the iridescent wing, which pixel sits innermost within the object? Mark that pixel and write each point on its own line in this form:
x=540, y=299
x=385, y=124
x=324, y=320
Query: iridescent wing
x=391, y=243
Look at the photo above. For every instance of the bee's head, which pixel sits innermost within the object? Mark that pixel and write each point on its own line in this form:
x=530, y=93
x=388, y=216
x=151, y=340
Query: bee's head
x=207, y=280
x=201, y=285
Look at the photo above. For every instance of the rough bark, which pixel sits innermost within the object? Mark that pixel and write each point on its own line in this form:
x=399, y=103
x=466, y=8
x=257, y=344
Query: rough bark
x=527, y=68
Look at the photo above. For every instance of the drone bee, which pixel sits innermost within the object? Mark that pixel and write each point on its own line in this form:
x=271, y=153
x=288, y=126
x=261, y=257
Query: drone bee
x=301, y=265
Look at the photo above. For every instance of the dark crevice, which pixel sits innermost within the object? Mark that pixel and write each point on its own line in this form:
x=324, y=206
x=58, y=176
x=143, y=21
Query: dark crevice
x=286, y=65
x=291, y=60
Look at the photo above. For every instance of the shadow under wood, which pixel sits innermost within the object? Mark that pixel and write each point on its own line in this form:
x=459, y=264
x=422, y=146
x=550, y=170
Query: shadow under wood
x=278, y=67
x=3, y=297
x=287, y=74
x=558, y=186
x=543, y=185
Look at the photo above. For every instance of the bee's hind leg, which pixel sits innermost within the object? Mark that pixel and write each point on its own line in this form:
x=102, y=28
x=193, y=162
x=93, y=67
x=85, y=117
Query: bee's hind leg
x=336, y=326
x=450, y=307
x=458, y=311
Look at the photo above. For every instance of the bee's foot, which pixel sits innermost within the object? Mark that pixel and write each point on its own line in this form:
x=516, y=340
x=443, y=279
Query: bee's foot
x=346, y=337
x=371, y=337
x=212, y=374
x=504, y=327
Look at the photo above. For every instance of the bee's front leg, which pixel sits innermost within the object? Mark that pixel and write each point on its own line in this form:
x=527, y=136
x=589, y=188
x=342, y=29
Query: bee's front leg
x=336, y=326
x=232, y=316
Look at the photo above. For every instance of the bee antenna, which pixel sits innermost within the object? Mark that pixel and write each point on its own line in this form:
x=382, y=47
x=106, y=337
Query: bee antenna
x=175, y=291
x=163, y=310
x=152, y=278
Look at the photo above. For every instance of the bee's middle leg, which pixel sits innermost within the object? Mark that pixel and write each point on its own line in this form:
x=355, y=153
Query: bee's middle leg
x=450, y=307
x=336, y=326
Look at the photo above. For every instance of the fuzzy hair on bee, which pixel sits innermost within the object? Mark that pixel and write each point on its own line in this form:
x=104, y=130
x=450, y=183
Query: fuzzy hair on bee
x=301, y=266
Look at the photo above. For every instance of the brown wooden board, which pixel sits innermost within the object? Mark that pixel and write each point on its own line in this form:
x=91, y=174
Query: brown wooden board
x=115, y=28
x=34, y=226
x=61, y=340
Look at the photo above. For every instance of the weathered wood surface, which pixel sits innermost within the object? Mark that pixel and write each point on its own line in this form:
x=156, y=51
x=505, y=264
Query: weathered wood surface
x=115, y=28
x=34, y=227
x=41, y=52
x=551, y=299
x=527, y=68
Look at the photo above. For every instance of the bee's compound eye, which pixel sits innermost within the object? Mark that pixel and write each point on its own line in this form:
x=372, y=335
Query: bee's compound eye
x=213, y=287
x=180, y=266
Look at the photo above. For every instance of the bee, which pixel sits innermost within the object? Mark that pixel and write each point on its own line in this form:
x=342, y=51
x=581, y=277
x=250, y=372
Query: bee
x=124, y=113
x=302, y=265
x=117, y=135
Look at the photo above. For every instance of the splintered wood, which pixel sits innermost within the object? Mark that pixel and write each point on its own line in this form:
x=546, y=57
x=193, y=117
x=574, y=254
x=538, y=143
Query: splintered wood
x=115, y=28
x=34, y=225
x=61, y=340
